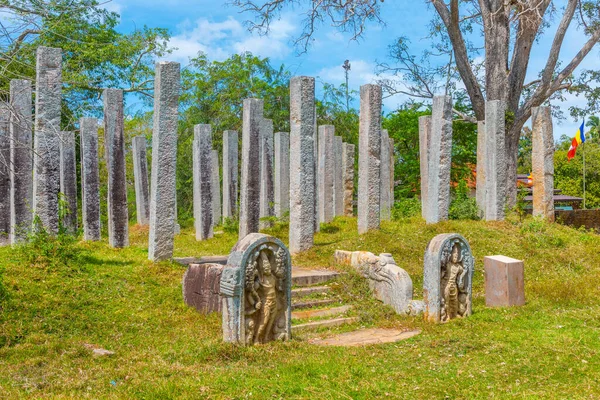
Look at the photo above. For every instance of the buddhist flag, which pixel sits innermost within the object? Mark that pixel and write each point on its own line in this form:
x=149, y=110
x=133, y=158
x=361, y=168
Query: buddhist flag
x=577, y=140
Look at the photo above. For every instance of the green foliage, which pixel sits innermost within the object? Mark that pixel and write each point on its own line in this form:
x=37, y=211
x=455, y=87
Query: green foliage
x=568, y=175
x=3, y=290
x=406, y=207
x=540, y=234
x=231, y=225
x=463, y=206
x=332, y=110
x=525, y=147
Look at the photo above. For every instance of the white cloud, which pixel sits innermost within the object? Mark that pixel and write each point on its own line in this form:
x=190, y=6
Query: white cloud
x=273, y=45
x=113, y=6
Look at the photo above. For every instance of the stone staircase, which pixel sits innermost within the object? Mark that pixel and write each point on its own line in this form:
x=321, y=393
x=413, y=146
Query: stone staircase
x=314, y=306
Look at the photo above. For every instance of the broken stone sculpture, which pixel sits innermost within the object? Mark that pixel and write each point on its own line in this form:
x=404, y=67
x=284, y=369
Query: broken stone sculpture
x=447, y=278
x=256, y=291
x=201, y=285
x=390, y=283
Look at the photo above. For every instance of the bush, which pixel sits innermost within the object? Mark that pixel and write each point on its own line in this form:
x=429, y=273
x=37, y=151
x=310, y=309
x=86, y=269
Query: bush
x=406, y=208
x=463, y=206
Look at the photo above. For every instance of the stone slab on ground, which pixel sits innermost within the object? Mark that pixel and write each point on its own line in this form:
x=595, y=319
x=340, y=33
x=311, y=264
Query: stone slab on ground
x=308, y=277
x=201, y=260
x=313, y=303
x=365, y=337
x=322, y=312
x=307, y=291
x=324, y=324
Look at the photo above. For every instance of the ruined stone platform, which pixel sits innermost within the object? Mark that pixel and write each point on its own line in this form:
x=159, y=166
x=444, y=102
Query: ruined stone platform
x=365, y=337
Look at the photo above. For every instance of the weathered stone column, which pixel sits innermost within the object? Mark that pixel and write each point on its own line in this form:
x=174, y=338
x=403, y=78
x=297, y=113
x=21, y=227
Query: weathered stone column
x=215, y=182
x=543, y=163
x=230, y=174
x=68, y=179
x=114, y=146
x=326, y=174
x=267, y=195
x=164, y=161
x=140, y=176
x=348, y=178
x=21, y=160
x=90, y=180
x=440, y=160
x=46, y=174
x=369, y=158
x=424, y=142
x=282, y=173
x=315, y=169
x=203, y=185
x=338, y=186
x=495, y=174
x=4, y=173
x=392, y=174
x=480, y=175
x=250, y=183
x=384, y=194
x=302, y=163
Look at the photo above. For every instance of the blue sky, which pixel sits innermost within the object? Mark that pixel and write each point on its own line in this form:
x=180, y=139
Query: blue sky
x=219, y=30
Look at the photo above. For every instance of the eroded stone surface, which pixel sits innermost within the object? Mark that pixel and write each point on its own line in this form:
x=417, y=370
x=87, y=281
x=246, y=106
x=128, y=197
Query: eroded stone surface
x=230, y=174
x=203, y=182
x=366, y=337
x=140, y=176
x=201, y=283
x=348, y=178
x=495, y=175
x=90, y=180
x=326, y=174
x=68, y=180
x=338, y=177
x=4, y=173
x=216, y=187
x=384, y=193
x=282, y=173
x=392, y=174
x=267, y=189
x=424, y=143
x=542, y=156
x=481, y=167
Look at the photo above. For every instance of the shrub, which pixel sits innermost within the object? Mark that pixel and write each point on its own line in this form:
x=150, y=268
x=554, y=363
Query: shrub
x=406, y=208
x=463, y=206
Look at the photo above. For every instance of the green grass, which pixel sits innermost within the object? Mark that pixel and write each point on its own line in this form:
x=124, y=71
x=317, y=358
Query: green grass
x=118, y=300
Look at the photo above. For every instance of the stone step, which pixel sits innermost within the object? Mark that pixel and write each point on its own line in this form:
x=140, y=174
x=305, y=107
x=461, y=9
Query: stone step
x=323, y=312
x=309, y=277
x=313, y=303
x=328, y=323
x=307, y=291
x=201, y=260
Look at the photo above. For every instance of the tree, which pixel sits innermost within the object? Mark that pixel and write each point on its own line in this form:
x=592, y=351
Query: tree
x=510, y=29
x=594, y=124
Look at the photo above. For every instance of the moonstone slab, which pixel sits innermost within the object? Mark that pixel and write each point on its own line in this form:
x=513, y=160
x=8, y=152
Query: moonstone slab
x=543, y=163
x=250, y=183
x=384, y=194
x=21, y=160
x=282, y=174
x=4, y=173
x=348, y=178
x=256, y=287
x=46, y=170
x=140, y=176
x=230, y=174
x=215, y=182
x=439, y=160
x=424, y=143
x=267, y=189
x=203, y=182
x=481, y=167
x=338, y=177
x=447, y=278
x=90, y=180
x=302, y=163
x=164, y=161
x=68, y=180
x=326, y=172
x=114, y=145
x=369, y=159
x=495, y=171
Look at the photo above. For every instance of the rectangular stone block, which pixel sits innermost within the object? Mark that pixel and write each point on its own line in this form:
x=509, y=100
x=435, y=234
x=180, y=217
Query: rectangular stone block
x=282, y=173
x=302, y=163
x=338, y=186
x=504, y=281
x=392, y=173
x=216, y=187
x=90, y=180
x=348, y=178
x=201, y=284
x=440, y=160
x=481, y=161
x=4, y=173
x=21, y=160
x=230, y=174
x=424, y=143
x=46, y=172
x=267, y=189
x=496, y=170
x=203, y=182
x=140, y=176
x=250, y=183
x=164, y=161
x=542, y=157
x=315, y=169
x=68, y=180
x=384, y=194
x=369, y=158
x=325, y=174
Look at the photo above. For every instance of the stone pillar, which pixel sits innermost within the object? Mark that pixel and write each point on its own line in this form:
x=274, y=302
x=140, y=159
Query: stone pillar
x=392, y=174
x=369, y=158
x=326, y=174
x=164, y=161
x=440, y=160
x=348, y=178
x=203, y=182
x=46, y=172
x=542, y=163
x=384, y=194
x=424, y=141
x=4, y=173
x=302, y=163
x=21, y=160
x=282, y=173
x=315, y=169
x=215, y=182
x=250, y=183
x=230, y=174
x=480, y=175
x=495, y=174
x=68, y=180
x=114, y=146
x=338, y=186
x=140, y=176
x=90, y=181
x=267, y=196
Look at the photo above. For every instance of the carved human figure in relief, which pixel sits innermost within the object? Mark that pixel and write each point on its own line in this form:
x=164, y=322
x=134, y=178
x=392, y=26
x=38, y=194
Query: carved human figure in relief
x=454, y=295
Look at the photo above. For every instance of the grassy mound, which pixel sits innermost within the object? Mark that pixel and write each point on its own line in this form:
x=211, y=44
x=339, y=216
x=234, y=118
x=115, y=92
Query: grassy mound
x=64, y=298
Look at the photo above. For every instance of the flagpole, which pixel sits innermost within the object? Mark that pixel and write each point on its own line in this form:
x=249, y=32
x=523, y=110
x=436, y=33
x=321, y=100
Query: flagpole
x=584, y=175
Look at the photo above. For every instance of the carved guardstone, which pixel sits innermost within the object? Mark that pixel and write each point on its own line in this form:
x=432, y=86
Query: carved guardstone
x=447, y=278
x=256, y=291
